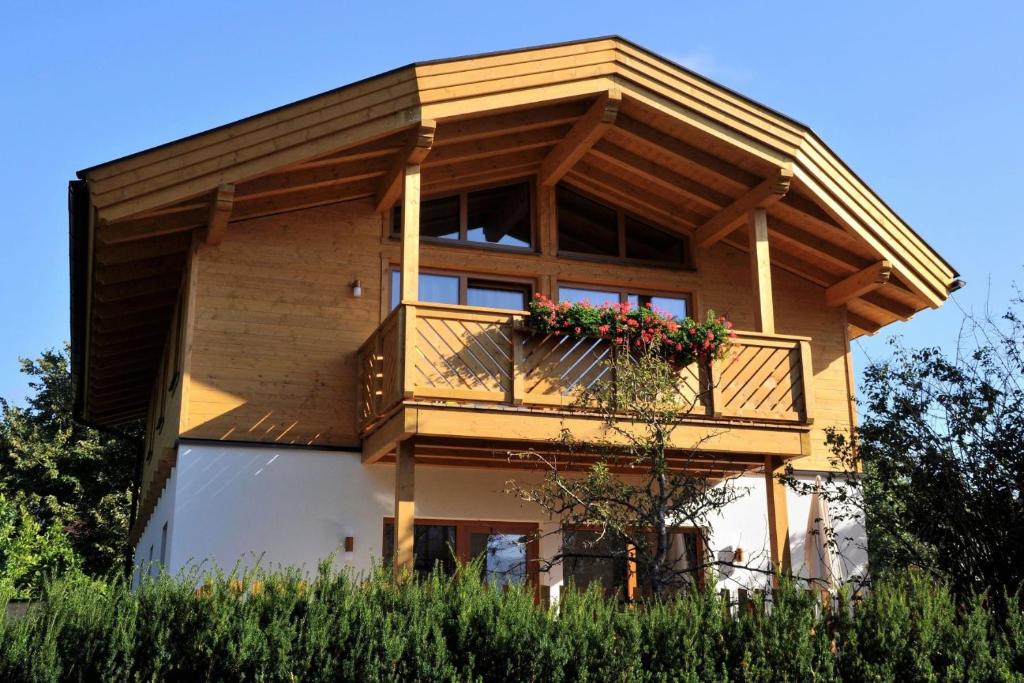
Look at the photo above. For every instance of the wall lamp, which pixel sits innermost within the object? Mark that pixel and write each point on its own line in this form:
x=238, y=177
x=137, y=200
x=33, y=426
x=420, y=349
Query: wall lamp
x=357, y=288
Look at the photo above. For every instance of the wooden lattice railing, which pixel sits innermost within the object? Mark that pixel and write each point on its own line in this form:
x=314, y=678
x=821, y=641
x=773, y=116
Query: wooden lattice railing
x=461, y=354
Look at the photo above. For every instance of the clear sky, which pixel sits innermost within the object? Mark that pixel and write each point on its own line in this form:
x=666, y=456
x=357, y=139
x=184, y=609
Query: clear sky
x=925, y=100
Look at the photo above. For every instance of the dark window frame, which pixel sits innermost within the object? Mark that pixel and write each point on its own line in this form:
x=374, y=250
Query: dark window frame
x=625, y=589
x=395, y=231
x=465, y=527
x=529, y=285
x=624, y=292
x=621, y=215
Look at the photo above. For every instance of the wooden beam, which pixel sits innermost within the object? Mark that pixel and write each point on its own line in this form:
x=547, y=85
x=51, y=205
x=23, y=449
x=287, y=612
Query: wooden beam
x=410, y=233
x=151, y=226
x=405, y=507
x=861, y=282
x=221, y=205
x=581, y=137
x=413, y=155
x=778, y=515
x=761, y=272
x=731, y=217
x=868, y=325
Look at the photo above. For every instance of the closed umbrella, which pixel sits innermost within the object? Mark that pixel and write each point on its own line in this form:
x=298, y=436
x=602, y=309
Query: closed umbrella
x=819, y=555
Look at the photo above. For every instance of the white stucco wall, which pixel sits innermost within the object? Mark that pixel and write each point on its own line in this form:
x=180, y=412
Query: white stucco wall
x=233, y=504
x=153, y=534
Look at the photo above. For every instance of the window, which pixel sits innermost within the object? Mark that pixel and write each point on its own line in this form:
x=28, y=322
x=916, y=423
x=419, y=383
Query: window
x=676, y=306
x=433, y=545
x=588, y=559
x=163, y=545
x=497, y=216
x=587, y=227
x=465, y=290
x=506, y=549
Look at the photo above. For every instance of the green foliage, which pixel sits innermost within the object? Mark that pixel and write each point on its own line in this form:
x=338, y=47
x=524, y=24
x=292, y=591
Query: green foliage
x=66, y=475
x=338, y=627
x=28, y=553
x=936, y=468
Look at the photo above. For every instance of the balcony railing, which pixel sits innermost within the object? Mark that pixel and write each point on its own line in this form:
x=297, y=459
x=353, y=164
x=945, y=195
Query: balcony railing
x=468, y=355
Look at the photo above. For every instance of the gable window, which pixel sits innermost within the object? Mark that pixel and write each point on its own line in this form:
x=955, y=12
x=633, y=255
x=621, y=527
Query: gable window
x=586, y=227
x=497, y=216
x=465, y=290
x=676, y=305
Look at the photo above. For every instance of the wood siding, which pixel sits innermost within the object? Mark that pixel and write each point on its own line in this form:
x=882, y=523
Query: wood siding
x=277, y=330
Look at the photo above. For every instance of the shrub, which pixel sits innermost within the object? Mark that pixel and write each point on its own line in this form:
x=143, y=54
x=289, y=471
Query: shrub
x=279, y=626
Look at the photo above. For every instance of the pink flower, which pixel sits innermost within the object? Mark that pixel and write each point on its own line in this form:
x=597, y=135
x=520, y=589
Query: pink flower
x=579, y=330
x=603, y=329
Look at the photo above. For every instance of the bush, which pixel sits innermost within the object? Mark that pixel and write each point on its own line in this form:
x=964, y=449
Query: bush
x=277, y=626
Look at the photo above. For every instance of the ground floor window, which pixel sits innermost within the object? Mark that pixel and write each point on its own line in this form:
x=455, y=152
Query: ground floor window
x=508, y=550
x=592, y=558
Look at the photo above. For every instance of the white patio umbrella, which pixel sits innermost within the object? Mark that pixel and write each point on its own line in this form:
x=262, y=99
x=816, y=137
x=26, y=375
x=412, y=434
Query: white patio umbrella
x=820, y=558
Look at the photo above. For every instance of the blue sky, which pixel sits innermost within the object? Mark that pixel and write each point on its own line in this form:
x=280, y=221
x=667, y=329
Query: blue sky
x=925, y=100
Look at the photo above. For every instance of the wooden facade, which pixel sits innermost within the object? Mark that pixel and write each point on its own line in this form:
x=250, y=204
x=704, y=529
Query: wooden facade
x=220, y=302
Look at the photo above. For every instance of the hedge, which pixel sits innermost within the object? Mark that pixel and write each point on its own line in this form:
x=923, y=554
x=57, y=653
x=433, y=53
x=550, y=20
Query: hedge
x=276, y=626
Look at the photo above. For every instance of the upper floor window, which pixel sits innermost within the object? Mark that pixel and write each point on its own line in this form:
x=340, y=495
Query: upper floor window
x=589, y=228
x=497, y=216
x=675, y=305
x=465, y=290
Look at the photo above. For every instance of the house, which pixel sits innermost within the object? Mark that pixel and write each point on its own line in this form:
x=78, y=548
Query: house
x=314, y=309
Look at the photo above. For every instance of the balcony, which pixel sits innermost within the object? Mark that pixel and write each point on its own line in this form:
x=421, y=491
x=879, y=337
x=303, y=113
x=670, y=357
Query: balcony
x=447, y=374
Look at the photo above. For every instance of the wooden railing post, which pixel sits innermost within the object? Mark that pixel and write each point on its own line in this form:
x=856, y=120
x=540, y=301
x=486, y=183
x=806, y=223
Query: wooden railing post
x=518, y=376
x=807, y=375
x=406, y=368
x=713, y=375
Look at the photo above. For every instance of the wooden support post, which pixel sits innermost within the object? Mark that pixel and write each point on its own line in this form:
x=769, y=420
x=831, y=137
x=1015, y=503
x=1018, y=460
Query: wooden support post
x=778, y=515
x=405, y=507
x=411, y=233
x=761, y=272
x=413, y=155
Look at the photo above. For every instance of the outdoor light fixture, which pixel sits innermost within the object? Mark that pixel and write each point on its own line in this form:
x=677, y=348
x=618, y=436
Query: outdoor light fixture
x=350, y=543
x=357, y=288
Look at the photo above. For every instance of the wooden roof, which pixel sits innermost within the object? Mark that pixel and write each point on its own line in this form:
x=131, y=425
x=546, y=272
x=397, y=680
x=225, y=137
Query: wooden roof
x=602, y=114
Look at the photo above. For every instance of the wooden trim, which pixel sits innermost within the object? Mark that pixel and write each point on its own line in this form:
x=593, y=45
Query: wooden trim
x=221, y=205
x=867, y=280
x=412, y=155
x=768, y=192
x=584, y=133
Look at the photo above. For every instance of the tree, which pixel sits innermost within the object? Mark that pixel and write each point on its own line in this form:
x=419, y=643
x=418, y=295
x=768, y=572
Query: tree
x=63, y=473
x=30, y=554
x=936, y=467
x=636, y=485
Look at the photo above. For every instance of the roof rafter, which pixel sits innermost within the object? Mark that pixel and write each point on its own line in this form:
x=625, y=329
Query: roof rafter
x=582, y=136
x=861, y=282
x=763, y=195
